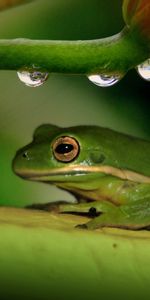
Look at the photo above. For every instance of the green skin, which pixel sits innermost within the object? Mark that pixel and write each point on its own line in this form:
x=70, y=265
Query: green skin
x=110, y=175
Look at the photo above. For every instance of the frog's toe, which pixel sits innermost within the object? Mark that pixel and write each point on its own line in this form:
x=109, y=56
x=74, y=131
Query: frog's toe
x=81, y=226
x=38, y=206
x=50, y=206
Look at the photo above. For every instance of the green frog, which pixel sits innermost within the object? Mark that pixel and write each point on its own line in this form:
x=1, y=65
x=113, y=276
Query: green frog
x=108, y=173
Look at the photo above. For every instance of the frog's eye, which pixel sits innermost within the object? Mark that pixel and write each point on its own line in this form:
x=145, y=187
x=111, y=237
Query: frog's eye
x=65, y=149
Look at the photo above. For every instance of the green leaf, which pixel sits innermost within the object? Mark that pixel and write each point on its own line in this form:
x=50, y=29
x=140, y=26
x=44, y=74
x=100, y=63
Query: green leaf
x=42, y=256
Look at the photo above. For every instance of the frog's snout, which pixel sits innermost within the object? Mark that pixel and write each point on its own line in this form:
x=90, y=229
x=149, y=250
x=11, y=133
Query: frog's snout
x=19, y=163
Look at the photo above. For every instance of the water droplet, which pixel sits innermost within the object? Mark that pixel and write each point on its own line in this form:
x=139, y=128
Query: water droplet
x=144, y=70
x=32, y=78
x=104, y=80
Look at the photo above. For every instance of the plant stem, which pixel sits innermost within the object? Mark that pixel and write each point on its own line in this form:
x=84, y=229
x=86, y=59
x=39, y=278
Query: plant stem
x=116, y=54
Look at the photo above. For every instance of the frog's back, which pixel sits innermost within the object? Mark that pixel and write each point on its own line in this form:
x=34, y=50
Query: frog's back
x=133, y=153
x=122, y=150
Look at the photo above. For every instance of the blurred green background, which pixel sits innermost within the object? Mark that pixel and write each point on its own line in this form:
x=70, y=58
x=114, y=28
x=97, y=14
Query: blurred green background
x=62, y=100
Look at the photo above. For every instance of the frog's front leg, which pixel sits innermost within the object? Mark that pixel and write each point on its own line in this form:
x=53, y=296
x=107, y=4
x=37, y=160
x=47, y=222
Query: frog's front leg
x=135, y=216
x=90, y=209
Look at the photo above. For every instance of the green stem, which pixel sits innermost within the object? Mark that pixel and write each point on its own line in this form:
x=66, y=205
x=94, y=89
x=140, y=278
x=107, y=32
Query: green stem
x=116, y=54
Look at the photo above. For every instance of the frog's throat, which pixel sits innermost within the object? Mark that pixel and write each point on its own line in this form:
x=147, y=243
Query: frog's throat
x=82, y=170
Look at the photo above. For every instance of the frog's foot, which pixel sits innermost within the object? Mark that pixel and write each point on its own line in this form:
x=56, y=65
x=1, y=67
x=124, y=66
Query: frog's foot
x=50, y=206
x=81, y=226
x=64, y=207
x=103, y=220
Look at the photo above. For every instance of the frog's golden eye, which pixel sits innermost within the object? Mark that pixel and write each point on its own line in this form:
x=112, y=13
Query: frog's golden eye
x=65, y=149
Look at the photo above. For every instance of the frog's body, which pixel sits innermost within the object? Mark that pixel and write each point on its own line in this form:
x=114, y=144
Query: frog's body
x=107, y=170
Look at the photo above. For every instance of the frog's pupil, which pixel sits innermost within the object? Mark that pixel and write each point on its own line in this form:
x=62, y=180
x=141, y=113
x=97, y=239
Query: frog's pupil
x=64, y=148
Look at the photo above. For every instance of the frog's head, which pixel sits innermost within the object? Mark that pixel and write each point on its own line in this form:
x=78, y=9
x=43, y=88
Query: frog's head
x=66, y=157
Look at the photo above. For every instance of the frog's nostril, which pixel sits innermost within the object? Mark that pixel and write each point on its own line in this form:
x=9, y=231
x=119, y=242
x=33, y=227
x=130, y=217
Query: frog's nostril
x=25, y=155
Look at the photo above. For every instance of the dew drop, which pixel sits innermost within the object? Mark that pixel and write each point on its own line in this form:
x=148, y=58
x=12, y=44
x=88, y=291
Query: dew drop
x=32, y=78
x=104, y=80
x=144, y=70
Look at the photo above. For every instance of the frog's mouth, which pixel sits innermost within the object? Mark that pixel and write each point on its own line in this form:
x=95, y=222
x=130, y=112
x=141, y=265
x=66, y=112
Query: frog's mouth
x=74, y=171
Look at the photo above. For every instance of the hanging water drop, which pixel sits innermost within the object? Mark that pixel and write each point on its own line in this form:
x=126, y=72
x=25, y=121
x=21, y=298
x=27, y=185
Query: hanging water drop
x=104, y=80
x=32, y=78
x=144, y=70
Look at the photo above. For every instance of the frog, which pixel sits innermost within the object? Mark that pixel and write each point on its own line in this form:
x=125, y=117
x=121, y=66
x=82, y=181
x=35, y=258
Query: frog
x=108, y=173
